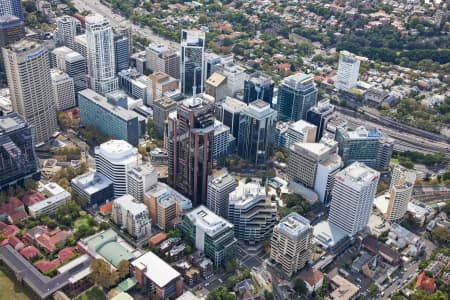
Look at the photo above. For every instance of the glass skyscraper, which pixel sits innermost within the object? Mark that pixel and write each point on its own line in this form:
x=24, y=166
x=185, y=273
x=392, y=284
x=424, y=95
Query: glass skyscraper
x=296, y=95
x=12, y=8
x=17, y=157
x=258, y=86
x=192, y=67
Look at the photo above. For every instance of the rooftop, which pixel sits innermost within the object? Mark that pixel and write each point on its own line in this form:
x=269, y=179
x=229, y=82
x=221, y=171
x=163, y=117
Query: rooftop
x=294, y=225
x=328, y=235
x=117, y=150
x=103, y=102
x=247, y=193
x=50, y=201
x=302, y=126
x=130, y=204
x=11, y=122
x=345, y=289
x=216, y=79
x=157, y=270
x=208, y=221
x=358, y=173
x=91, y=182
x=106, y=244
x=233, y=104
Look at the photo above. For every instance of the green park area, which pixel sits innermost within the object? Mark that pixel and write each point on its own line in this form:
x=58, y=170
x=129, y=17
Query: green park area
x=10, y=290
x=93, y=293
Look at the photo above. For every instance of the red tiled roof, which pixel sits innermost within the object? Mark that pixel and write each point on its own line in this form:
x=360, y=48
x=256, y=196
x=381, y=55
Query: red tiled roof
x=106, y=208
x=13, y=241
x=31, y=199
x=30, y=252
x=11, y=206
x=65, y=254
x=2, y=225
x=10, y=230
x=45, y=265
x=18, y=216
x=44, y=242
x=157, y=238
x=425, y=283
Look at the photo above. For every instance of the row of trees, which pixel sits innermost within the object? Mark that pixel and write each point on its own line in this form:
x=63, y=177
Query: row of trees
x=103, y=275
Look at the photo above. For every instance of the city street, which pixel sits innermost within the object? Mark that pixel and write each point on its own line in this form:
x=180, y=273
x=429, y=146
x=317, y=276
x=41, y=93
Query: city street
x=117, y=20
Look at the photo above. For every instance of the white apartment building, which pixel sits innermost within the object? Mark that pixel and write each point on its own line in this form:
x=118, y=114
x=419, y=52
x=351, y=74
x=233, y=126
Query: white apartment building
x=113, y=159
x=66, y=30
x=348, y=70
x=57, y=197
x=292, y=243
x=140, y=179
x=400, y=191
x=251, y=212
x=301, y=132
x=352, y=197
x=100, y=54
x=220, y=185
x=132, y=215
x=27, y=67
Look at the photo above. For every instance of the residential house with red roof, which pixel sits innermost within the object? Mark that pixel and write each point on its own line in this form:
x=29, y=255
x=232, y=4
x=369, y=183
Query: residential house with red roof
x=31, y=199
x=426, y=283
x=66, y=254
x=30, y=252
x=313, y=279
x=45, y=265
x=13, y=211
x=10, y=230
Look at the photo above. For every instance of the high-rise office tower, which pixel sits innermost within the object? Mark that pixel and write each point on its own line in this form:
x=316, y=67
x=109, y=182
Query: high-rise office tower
x=258, y=87
x=353, y=194
x=384, y=153
x=256, y=125
x=27, y=67
x=305, y=159
x=113, y=159
x=161, y=83
x=160, y=58
x=66, y=30
x=73, y=64
x=292, y=243
x=12, y=29
x=11, y=8
x=229, y=111
x=251, y=212
x=220, y=185
x=161, y=110
x=223, y=140
x=359, y=145
x=296, y=95
x=192, y=64
x=400, y=191
x=100, y=54
x=17, y=158
x=234, y=73
x=190, y=147
x=348, y=70
x=63, y=90
x=300, y=132
x=140, y=179
x=122, y=50
x=80, y=45
x=319, y=116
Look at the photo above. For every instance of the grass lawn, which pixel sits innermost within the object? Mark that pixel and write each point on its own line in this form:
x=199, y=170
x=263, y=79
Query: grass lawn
x=93, y=293
x=10, y=290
